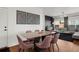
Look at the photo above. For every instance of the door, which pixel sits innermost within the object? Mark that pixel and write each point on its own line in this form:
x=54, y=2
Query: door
x=3, y=27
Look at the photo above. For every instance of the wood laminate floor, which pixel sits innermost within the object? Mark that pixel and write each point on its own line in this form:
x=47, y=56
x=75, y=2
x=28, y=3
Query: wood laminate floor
x=66, y=46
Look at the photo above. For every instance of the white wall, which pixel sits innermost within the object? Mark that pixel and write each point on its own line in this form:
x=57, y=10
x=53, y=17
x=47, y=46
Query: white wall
x=14, y=28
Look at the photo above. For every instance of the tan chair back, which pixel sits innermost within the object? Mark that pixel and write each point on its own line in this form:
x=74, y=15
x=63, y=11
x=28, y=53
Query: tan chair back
x=28, y=31
x=36, y=30
x=46, y=42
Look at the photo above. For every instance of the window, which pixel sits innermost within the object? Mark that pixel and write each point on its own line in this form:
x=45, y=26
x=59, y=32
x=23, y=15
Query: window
x=27, y=18
x=73, y=20
x=21, y=17
x=33, y=18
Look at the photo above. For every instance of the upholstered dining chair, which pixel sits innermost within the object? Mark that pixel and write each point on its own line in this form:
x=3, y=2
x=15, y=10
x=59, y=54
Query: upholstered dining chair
x=30, y=40
x=54, y=40
x=36, y=30
x=28, y=31
x=38, y=38
x=42, y=30
x=44, y=45
x=23, y=46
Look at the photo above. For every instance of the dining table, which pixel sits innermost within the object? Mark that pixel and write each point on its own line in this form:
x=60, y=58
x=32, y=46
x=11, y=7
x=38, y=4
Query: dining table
x=33, y=35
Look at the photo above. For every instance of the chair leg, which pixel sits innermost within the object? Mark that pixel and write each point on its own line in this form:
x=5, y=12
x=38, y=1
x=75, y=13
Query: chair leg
x=49, y=49
x=19, y=49
x=53, y=47
x=57, y=47
x=23, y=50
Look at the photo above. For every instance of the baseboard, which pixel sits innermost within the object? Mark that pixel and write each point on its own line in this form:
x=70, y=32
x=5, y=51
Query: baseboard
x=4, y=49
x=9, y=49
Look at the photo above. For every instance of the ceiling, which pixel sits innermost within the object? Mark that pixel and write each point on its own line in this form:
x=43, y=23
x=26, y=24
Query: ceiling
x=56, y=11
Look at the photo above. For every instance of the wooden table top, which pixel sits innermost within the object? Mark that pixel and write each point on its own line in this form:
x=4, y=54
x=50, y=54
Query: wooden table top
x=36, y=34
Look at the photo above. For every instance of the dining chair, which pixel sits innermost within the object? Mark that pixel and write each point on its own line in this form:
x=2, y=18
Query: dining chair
x=28, y=31
x=44, y=45
x=54, y=40
x=30, y=40
x=38, y=38
x=23, y=46
x=42, y=30
x=36, y=30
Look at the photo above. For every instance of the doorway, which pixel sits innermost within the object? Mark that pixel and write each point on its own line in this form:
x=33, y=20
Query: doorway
x=49, y=23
